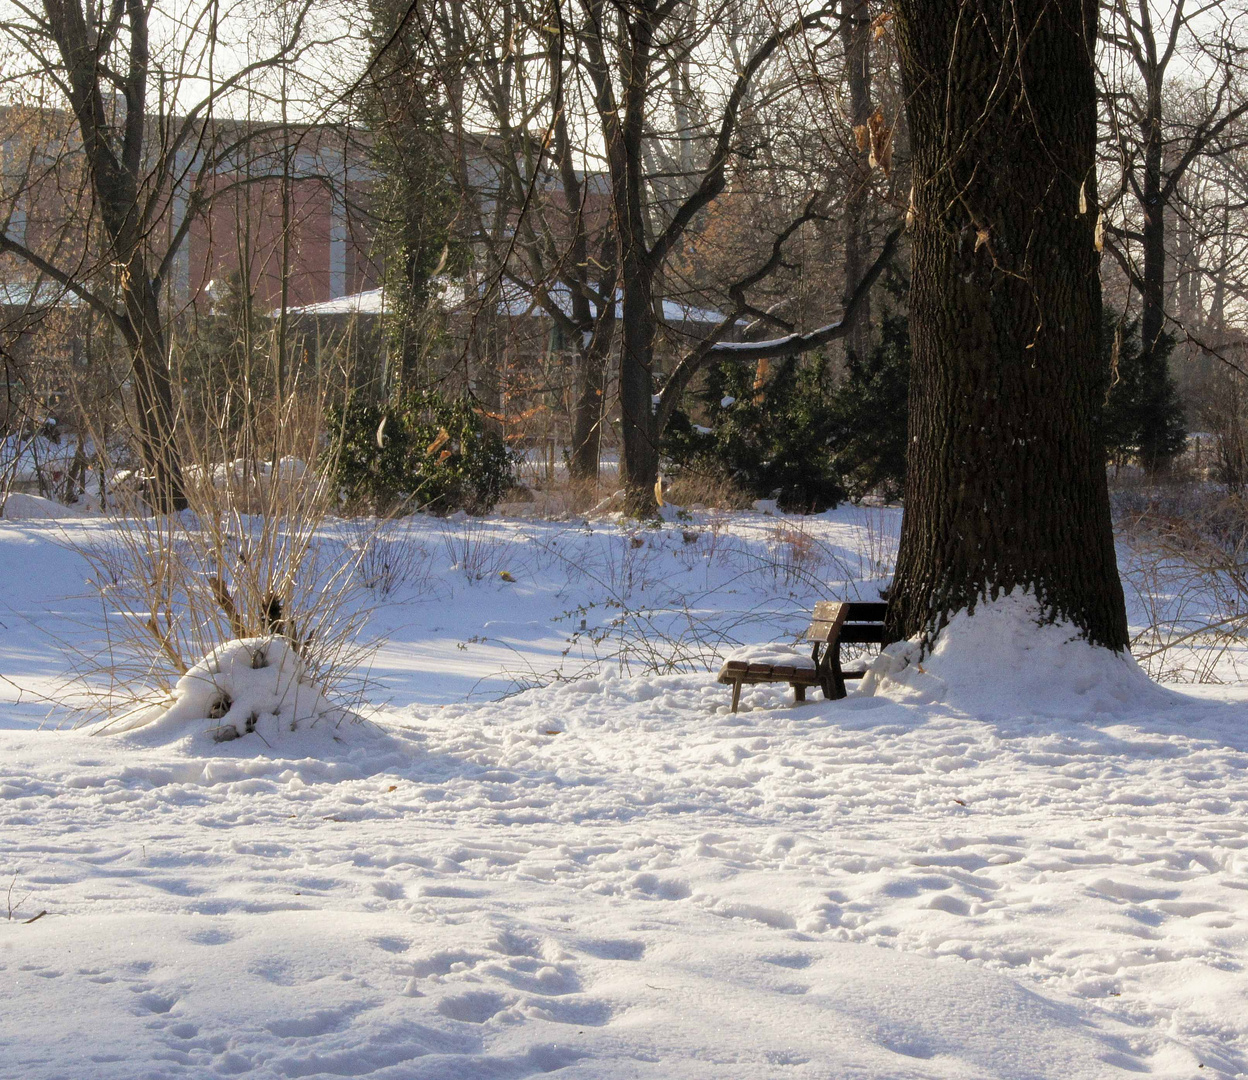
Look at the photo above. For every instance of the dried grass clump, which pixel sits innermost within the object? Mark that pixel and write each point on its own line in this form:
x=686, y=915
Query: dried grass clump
x=710, y=491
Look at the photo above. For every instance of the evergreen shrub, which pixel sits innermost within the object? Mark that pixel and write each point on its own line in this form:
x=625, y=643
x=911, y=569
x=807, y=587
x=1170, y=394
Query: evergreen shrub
x=423, y=451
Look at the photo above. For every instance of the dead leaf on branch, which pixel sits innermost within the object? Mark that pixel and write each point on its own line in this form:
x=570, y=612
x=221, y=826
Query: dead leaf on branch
x=442, y=439
x=881, y=143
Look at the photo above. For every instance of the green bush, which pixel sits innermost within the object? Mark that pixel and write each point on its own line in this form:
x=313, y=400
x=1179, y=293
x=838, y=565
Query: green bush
x=869, y=408
x=423, y=451
x=800, y=440
x=1143, y=419
x=774, y=442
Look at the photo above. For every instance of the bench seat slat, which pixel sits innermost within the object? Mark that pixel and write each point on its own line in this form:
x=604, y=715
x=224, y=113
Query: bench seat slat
x=833, y=622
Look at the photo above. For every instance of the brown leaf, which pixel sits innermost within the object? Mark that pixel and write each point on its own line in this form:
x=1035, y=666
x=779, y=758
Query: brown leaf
x=881, y=143
x=443, y=438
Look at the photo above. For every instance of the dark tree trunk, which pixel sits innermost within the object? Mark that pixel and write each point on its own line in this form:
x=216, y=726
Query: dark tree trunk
x=856, y=36
x=153, y=393
x=639, y=459
x=1153, y=291
x=1006, y=474
x=587, y=415
x=116, y=168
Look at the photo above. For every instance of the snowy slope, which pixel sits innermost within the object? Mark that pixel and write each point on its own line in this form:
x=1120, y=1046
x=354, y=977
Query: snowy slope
x=616, y=877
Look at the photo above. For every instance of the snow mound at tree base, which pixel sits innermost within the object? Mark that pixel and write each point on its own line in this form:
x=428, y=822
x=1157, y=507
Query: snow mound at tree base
x=1006, y=660
x=243, y=688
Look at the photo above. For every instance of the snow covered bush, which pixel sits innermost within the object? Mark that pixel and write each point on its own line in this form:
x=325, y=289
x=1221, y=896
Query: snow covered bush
x=259, y=685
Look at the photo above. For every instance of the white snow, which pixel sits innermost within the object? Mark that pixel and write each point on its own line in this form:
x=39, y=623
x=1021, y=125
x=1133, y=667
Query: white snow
x=1036, y=867
x=1006, y=660
x=773, y=653
x=19, y=506
x=258, y=685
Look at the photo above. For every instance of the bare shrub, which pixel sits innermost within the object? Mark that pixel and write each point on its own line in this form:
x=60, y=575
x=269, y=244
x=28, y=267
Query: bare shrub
x=471, y=546
x=244, y=560
x=388, y=556
x=877, y=551
x=1187, y=566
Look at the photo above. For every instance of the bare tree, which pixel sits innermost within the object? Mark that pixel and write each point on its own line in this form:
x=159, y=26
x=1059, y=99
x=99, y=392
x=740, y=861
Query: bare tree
x=131, y=96
x=1173, y=91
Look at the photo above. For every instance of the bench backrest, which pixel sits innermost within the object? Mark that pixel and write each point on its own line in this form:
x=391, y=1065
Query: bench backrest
x=853, y=622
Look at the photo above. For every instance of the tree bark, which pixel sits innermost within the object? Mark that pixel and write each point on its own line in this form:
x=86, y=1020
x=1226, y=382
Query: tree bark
x=856, y=35
x=1153, y=290
x=1006, y=479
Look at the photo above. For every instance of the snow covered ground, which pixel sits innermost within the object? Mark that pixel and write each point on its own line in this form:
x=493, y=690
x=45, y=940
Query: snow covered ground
x=982, y=871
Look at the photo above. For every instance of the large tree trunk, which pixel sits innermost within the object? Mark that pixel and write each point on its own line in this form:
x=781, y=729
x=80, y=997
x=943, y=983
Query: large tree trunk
x=587, y=414
x=1006, y=474
x=856, y=36
x=639, y=459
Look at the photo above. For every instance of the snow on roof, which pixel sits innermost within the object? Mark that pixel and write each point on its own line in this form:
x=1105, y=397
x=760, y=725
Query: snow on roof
x=371, y=302
x=516, y=302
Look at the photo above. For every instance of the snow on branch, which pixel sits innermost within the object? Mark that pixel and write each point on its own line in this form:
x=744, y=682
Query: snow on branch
x=793, y=344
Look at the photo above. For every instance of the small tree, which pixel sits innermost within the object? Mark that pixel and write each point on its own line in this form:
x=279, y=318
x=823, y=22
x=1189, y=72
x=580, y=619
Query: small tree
x=1143, y=419
x=869, y=408
x=773, y=439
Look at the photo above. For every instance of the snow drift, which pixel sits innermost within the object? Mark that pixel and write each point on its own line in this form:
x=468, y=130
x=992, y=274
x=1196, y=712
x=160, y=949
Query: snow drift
x=1006, y=660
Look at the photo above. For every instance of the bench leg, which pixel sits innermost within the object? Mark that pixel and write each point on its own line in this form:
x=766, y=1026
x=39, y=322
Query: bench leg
x=736, y=694
x=838, y=680
x=799, y=692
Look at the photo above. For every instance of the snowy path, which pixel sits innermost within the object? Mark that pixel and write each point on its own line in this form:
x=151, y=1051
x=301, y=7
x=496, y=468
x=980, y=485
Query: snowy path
x=616, y=878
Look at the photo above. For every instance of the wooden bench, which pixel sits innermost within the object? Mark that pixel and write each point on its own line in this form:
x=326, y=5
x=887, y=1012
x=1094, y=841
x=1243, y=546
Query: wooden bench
x=833, y=623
